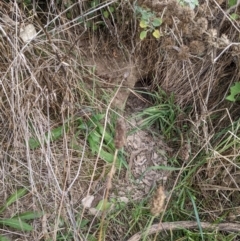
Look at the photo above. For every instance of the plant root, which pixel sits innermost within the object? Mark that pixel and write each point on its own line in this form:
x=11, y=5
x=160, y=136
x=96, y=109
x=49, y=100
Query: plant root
x=228, y=227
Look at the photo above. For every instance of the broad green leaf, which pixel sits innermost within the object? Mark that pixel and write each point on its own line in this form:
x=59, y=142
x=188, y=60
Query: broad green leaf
x=157, y=22
x=107, y=136
x=33, y=143
x=118, y=204
x=111, y=9
x=234, y=90
x=146, y=15
x=143, y=24
x=93, y=144
x=82, y=223
x=193, y=4
x=56, y=133
x=106, y=14
x=143, y=35
x=16, y=223
x=13, y=198
x=98, y=117
x=94, y=27
x=94, y=3
x=156, y=34
x=103, y=205
x=231, y=3
x=29, y=215
x=82, y=126
x=96, y=136
x=234, y=16
x=2, y=238
x=108, y=157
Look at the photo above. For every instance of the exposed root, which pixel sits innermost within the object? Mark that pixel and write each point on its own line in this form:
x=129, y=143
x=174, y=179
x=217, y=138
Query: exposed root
x=228, y=227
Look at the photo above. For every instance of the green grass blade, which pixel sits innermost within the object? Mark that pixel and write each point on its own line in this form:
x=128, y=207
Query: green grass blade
x=16, y=224
x=29, y=215
x=196, y=214
x=54, y=135
x=13, y=198
x=57, y=132
x=33, y=143
x=2, y=238
x=108, y=157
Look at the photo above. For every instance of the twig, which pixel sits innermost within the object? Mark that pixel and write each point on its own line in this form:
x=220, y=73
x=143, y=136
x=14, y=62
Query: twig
x=119, y=141
x=228, y=227
x=108, y=187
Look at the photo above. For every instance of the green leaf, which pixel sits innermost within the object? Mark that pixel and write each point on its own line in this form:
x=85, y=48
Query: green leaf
x=234, y=16
x=108, y=157
x=107, y=137
x=93, y=144
x=29, y=215
x=106, y=14
x=143, y=24
x=82, y=223
x=56, y=133
x=193, y=4
x=232, y=3
x=196, y=213
x=94, y=27
x=94, y=3
x=143, y=35
x=157, y=22
x=235, y=89
x=33, y=143
x=146, y=15
x=13, y=198
x=156, y=34
x=103, y=205
x=2, y=238
x=16, y=223
x=111, y=9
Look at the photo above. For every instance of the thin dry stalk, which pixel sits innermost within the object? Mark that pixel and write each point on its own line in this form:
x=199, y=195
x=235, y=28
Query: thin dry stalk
x=119, y=140
x=171, y=226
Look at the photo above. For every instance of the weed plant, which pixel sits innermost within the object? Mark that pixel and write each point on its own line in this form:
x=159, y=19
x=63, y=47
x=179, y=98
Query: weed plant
x=162, y=115
x=18, y=221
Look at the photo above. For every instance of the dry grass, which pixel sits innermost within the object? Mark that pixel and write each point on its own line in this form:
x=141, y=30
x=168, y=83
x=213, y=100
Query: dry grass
x=69, y=71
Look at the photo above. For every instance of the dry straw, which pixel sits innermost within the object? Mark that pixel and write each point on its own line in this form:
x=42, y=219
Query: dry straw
x=119, y=140
x=120, y=133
